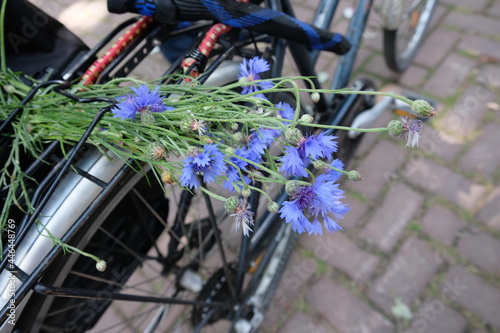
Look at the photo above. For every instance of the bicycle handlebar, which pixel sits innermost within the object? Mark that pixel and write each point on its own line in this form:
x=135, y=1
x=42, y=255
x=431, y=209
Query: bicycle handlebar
x=238, y=15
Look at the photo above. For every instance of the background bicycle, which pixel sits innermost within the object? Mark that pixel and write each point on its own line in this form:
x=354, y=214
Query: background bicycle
x=316, y=271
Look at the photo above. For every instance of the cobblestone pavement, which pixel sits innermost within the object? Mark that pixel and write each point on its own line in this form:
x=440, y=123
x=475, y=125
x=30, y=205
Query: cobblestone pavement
x=421, y=249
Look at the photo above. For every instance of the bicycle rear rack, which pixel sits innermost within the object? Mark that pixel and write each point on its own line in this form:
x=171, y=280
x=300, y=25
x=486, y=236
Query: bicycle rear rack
x=47, y=187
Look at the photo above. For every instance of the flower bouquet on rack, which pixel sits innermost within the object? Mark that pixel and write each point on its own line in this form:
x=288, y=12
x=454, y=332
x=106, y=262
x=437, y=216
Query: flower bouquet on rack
x=194, y=135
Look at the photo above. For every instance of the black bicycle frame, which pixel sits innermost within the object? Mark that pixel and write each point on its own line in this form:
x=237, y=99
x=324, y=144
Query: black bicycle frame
x=335, y=106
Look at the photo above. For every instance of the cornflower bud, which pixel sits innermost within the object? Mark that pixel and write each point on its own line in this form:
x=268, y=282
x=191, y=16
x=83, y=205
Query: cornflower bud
x=423, y=108
x=156, y=151
x=186, y=124
x=167, y=177
x=395, y=128
x=354, y=175
x=231, y=204
x=291, y=186
x=315, y=97
x=239, y=137
x=9, y=89
x=206, y=139
x=100, y=265
x=293, y=135
x=246, y=192
x=307, y=118
x=273, y=207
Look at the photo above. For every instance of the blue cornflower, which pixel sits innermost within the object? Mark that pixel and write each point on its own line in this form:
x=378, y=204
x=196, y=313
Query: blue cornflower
x=232, y=173
x=293, y=163
x=259, y=141
x=334, y=175
x=285, y=111
x=312, y=204
x=209, y=164
x=143, y=101
x=296, y=159
x=249, y=71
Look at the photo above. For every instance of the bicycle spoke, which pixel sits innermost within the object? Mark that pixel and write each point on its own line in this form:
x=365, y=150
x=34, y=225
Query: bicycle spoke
x=127, y=248
x=222, y=252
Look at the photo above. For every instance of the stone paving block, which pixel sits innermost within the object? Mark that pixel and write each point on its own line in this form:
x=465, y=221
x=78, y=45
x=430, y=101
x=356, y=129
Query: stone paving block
x=472, y=22
x=489, y=75
x=83, y=16
x=362, y=56
x=438, y=143
x=494, y=9
x=52, y=8
x=476, y=5
x=472, y=293
x=345, y=311
x=413, y=77
x=480, y=46
x=435, y=316
x=481, y=249
x=441, y=224
x=369, y=138
x=407, y=275
x=490, y=213
x=450, y=75
x=340, y=252
x=297, y=273
x=326, y=63
x=377, y=66
x=435, y=47
x=150, y=69
x=303, y=11
x=444, y=182
x=112, y=316
x=373, y=36
x=466, y=115
x=378, y=167
x=352, y=218
x=301, y=323
x=389, y=221
x=437, y=16
x=480, y=158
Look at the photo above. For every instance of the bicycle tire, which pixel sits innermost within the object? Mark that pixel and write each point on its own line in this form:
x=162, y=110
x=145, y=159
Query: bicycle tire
x=401, y=44
x=115, y=208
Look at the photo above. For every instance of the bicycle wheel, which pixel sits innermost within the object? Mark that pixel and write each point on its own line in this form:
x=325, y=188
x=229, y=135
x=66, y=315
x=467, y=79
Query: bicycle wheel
x=197, y=261
x=401, y=43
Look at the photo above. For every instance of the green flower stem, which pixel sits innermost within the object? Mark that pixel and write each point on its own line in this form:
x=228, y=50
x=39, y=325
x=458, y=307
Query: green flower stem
x=3, y=65
x=74, y=249
x=361, y=92
x=260, y=166
x=346, y=128
x=344, y=91
x=326, y=165
x=213, y=195
x=261, y=191
x=65, y=247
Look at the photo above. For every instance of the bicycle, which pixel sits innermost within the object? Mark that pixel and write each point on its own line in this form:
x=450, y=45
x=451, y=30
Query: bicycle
x=102, y=199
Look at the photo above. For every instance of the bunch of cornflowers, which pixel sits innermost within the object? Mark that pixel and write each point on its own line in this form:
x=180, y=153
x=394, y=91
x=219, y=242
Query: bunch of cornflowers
x=315, y=202
x=218, y=140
